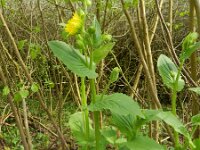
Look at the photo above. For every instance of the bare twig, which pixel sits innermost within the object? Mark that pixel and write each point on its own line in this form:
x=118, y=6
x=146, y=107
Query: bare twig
x=21, y=62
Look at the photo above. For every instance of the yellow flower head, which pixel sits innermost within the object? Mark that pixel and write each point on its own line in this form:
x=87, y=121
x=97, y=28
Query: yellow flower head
x=74, y=24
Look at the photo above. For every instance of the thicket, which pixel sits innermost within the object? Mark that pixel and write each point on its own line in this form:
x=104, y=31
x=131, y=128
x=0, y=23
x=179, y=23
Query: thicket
x=82, y=74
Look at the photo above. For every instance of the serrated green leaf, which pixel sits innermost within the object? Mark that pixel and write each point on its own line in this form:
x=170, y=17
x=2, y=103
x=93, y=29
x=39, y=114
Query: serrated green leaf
x=196, y=119
x=117, y=103
x=195, y=89
x=6, y=91
x=73, y=59
x=143, y=143
x=168, y=71
x=102, y=52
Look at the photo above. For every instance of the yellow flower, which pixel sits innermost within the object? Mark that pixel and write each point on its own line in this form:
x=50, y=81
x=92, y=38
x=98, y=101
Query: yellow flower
x=74, y=24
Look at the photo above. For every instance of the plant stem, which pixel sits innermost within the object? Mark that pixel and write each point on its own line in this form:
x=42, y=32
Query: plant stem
x=84, y=107
x=174, y=97
x=96, y=114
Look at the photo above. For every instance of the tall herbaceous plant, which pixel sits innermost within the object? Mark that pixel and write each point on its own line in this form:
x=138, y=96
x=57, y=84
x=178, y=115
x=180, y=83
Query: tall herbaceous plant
x=122, y=131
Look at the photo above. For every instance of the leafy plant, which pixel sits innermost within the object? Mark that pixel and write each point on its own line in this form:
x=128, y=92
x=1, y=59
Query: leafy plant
x=171, y=76
x=82, y=58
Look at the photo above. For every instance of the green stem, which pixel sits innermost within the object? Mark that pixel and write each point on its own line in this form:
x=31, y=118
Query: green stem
x=96, y=113
x=84, y=107
x=174, y=98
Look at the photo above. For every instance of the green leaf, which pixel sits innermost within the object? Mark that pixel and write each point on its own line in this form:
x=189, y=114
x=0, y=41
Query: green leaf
x=189, y=40
x=196, y=120
x=35, y=50
x=168, y=118
x=49, y=84
x=173, y=121
x=3, y=3
x=73, y=59
x=17, y=97
x=6, y=91
x=195, y=89
x=187, y=53
x=36, y=29
x=97, y=40
x=168, y=71
x=127, y=124
x=102, y=52
x=34, y=87
x=150, y=115
x=197, y=144
x=109, y=134
x=131, y=3
x=117, y=103
x=143, y=143
x=189, y=46
x=21, y=44
x=24, y=93
x=77, y=124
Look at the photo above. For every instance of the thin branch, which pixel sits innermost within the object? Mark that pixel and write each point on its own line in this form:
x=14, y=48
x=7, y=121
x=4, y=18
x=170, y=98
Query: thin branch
x=24, y=67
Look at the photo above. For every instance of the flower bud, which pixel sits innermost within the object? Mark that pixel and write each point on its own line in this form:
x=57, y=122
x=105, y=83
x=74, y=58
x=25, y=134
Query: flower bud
x=80, y=44
x=81, y=13
x=114, y=74
x=88, y=2
x=107, y=37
